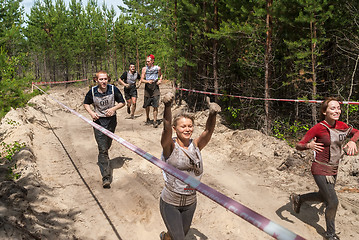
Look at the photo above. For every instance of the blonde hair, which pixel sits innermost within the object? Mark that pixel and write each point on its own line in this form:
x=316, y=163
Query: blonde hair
x=182, y=115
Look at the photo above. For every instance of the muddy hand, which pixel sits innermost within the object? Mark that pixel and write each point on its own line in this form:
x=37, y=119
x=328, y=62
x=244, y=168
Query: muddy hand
x=173, y=87
x=213, y=107
x=168, y=98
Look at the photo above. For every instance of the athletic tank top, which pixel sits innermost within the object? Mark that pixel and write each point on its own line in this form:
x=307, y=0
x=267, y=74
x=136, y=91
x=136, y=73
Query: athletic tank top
x=131, y=78
x=152, y=89
x=189, y=161
x=101, y=104
x=337, y=138
x=152, y=73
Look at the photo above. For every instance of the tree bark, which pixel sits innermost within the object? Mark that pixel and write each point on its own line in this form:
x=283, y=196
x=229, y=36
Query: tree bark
x=267, y=63
x=215, y=51
x=175, y=45
x=114, y=52
x=313, y=32
x=137, y=58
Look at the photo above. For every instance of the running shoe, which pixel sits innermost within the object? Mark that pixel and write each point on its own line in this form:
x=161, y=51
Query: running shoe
x=331, y=236
x=164, y=236
x=155, y=124
x=295, y=200
x=106, y=183
x=148, y=121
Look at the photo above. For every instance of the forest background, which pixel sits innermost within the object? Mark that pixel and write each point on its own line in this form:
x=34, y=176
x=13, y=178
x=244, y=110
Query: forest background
x=286, y=49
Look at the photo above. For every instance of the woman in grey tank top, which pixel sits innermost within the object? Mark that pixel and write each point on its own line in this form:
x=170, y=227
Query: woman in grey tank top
x=178, y=200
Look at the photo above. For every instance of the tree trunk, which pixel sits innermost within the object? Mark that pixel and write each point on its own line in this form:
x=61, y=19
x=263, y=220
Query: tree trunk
x=53, y=71
x=205, y=66
x=138, y=59
x=67, y=71
x=267, y=62
x=84, y=67
x=123, y=58
x=114, y=60
x=175, y=43
x=37, y=67
x=313, y=32
x=215, y=51
x=45, y=68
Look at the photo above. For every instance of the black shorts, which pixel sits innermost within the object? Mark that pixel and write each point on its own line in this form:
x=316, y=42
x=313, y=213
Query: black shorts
x=130, y=92
x=151, y=101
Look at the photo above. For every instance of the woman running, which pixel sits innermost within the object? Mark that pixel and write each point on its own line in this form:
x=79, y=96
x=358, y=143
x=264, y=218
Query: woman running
x=326, y=140
x=178, y=200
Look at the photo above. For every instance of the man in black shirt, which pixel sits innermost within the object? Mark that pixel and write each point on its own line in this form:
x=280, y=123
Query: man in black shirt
x=103, y=98
x=128, y=80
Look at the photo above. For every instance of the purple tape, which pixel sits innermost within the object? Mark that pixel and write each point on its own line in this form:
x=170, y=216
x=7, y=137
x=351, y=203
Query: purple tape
x=271, y=228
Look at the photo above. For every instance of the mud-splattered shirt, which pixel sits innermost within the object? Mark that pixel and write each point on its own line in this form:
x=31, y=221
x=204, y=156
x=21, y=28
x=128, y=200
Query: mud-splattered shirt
x=103, y=101
x=326, y=162
x=189, y=161
x=152, y=89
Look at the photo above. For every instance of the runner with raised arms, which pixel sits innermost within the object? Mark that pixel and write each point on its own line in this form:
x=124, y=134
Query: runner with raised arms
x=178, y=200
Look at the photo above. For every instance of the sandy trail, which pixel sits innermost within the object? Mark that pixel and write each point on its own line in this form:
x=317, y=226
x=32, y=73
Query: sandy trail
x=70, y=202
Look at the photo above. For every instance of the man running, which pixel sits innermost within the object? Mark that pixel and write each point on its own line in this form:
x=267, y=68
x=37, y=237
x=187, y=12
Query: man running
x=103, y=98
x=152, y=77
x=128, y=80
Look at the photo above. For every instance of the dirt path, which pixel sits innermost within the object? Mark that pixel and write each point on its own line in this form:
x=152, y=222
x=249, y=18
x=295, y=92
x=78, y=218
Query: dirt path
x=70, y=203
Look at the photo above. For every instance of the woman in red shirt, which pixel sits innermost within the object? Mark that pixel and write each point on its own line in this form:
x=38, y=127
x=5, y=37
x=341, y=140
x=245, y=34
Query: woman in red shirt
x=326, y=139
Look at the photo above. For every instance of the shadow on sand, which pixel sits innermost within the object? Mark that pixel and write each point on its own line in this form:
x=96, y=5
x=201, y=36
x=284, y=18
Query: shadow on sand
x=194, y=234
x=308, y=214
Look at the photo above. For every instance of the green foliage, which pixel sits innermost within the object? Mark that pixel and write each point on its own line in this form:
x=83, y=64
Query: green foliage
x=9, y=150
x=305, y=40
x=12, y=122
x=232, y=116
x=7, y=153
x=12, y=89
x=353, y=109
x=287, y=131
x=12, y=174
x=11, y=18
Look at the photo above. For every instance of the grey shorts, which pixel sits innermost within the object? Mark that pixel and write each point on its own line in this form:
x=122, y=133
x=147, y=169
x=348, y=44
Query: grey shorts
x=151, y=101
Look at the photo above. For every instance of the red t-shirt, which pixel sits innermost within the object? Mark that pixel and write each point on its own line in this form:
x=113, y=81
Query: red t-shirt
x=323, y=136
